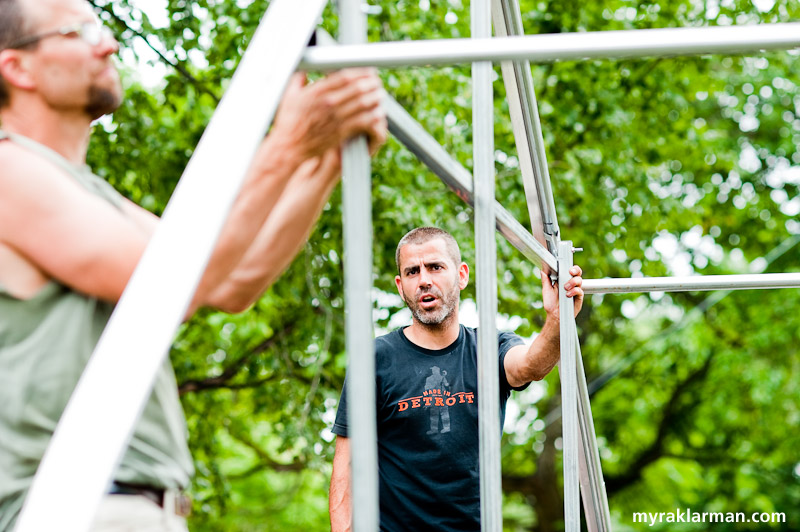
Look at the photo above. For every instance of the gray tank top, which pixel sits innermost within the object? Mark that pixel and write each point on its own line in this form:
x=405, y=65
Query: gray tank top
x=45, y=343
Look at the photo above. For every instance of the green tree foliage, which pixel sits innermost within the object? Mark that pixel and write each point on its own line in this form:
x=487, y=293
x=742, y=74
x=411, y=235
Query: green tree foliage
x=659, y=166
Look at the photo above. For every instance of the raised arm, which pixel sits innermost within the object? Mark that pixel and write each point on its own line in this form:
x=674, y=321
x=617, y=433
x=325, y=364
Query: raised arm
x=339, y=499
x=312, y=122
x=524, y=364
x=289, y=224
x=82, y=241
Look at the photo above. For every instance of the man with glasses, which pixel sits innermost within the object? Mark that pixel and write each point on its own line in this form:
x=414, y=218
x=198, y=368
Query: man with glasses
x=69, y=242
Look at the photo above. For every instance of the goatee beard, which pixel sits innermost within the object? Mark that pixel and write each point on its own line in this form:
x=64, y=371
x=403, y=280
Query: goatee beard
x=439, y=320
x=101, y=102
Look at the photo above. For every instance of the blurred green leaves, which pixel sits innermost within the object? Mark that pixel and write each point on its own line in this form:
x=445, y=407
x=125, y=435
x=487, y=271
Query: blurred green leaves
x=659, y=166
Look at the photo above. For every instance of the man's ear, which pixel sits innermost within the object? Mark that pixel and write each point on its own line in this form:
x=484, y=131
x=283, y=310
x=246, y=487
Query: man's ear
x=399, y=285
x=463, y=276
x=14, y=69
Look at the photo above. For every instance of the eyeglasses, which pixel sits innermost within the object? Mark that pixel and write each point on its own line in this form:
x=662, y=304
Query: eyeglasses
x=91, y=33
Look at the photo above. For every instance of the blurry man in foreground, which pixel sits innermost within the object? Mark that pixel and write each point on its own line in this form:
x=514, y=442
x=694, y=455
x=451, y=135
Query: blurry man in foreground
x=69, y=242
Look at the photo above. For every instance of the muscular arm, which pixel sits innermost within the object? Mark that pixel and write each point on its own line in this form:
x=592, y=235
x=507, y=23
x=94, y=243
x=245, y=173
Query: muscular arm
x=290, y=222
x=84, y=242
x=283, y=235
x=313, y=121
x=524, y=364
x=64, y=231
x=339, y=500
x=81, y=240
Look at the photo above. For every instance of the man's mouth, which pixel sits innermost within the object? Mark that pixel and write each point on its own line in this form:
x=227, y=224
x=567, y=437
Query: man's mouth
x=427, y=301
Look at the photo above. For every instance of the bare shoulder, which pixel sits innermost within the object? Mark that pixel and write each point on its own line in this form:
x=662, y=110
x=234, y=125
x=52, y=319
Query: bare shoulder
x=23, y=169
x=28, y=184
x=59, y=227
x=31, y=178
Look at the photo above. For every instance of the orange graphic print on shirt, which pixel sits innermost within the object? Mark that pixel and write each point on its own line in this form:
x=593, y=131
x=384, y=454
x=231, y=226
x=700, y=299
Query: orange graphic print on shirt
x=438, y=399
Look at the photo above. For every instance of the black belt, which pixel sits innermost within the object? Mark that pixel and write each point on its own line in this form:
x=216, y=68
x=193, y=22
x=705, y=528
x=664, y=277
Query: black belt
x=154, y=494
x=181, y=505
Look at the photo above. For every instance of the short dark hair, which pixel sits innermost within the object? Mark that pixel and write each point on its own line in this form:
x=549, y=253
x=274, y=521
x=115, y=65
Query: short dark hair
x=420, y=235
x=12, y=28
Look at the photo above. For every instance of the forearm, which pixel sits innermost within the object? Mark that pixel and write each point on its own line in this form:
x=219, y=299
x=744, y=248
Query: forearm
x=282, y=236
x=339, y=500
x=541, y=356
x=268, y=176
x=339, y=506
x=523, y=366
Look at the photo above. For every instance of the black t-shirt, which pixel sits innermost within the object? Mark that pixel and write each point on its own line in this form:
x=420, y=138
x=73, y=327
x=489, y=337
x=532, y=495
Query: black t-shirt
x=428, y=431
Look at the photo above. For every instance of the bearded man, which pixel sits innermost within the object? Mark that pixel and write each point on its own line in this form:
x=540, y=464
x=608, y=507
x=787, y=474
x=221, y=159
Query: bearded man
x=69, y=243
x=429, y=479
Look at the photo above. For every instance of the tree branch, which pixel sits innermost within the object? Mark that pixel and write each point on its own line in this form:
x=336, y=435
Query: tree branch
x=265, y=461
x=674, y=411
x=223, y=380
x=163, y=58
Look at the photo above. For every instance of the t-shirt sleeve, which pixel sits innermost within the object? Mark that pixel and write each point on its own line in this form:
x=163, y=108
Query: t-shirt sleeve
x=505, y=341
x=340, y=423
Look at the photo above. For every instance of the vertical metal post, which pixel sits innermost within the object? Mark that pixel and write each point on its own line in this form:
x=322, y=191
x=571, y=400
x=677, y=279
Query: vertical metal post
x=483, y=175
x=593, y=487
x=569, y=392
x=357, y=205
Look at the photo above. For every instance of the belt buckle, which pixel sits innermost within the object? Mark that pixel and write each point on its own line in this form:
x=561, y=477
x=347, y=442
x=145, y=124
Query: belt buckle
x=177, y=503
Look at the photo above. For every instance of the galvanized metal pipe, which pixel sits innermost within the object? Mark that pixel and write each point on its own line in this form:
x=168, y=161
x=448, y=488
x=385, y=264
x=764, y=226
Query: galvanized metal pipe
x=692, y=283
x=486, y=273
x=527, y=129
x=545, y=48
x=593, y=486
x=569, y=392
x=359, y=341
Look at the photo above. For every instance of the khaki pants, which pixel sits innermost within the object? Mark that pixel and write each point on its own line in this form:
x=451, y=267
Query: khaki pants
x=134, y=513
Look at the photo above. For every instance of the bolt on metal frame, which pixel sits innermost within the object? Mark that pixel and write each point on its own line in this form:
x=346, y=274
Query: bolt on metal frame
x=67, y=491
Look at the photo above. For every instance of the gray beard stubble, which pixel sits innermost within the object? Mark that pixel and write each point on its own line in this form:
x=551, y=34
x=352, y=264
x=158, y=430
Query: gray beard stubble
x=440, y=319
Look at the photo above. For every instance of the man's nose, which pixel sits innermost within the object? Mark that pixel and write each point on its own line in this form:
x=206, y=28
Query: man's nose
x=424, y=278
x=108, y=44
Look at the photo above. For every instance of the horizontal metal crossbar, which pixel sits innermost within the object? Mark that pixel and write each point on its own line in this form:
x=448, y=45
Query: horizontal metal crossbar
x=692, y=283
x=545, y=48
